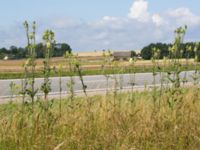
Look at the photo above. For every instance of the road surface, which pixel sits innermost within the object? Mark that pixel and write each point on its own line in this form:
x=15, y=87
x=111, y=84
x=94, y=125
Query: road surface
x=94, y=83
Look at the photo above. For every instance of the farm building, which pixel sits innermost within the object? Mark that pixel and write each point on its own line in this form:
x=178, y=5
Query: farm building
x=126, y=55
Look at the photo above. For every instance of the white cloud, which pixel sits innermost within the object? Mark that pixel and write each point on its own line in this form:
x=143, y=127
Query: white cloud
x=64, y=22
x=158, y=20
x=108, y=21
x=184, y=16
x=139, y=11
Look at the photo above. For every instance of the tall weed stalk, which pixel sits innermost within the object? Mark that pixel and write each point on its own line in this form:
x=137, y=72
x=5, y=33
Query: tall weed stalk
x=70, y=60
x=49, y=41
x=29, y=67
x=174, y=76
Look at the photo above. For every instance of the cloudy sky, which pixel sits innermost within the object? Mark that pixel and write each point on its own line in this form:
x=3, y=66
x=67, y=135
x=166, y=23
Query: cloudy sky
x=89, y=25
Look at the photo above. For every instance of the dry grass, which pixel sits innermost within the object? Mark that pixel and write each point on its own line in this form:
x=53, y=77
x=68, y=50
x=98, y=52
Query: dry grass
x=88, y=63
x=102, y=125
x=16, y=65
x=89, y=54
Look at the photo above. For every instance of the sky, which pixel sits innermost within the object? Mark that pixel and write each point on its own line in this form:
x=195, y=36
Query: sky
x=90, y=25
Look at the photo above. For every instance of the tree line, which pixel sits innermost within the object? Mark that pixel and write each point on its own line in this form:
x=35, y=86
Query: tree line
x=19, y=53
x=186, y=50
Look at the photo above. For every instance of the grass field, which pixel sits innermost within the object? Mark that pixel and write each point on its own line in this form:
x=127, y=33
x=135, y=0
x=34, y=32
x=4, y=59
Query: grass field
x=89, y=61
x=103, y=122
x=91, y=65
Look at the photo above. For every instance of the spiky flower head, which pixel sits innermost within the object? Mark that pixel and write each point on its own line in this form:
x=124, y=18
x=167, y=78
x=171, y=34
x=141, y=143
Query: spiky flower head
x=34, y=26
x=48, y=45
x=172, y=49
x=26, y=26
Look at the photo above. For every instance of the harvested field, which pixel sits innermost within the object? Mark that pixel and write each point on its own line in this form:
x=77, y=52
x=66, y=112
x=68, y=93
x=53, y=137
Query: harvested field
x=88, y=62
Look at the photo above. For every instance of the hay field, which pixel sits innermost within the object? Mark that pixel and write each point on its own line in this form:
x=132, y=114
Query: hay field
x=89, y=61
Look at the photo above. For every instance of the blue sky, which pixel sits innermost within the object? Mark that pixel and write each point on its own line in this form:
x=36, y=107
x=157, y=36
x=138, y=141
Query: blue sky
x=18, y=10
x=89, y=25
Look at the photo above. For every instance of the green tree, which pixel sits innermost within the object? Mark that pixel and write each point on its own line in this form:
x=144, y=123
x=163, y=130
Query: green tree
x=40, y=50
x=60, y=49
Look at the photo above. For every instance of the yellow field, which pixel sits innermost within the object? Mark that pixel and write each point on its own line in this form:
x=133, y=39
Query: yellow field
x=89, y=61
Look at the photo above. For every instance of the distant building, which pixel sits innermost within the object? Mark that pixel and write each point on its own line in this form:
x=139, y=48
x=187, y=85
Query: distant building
x=5, y=58
x=138, y=54
x=126, y=55
x=138, y=51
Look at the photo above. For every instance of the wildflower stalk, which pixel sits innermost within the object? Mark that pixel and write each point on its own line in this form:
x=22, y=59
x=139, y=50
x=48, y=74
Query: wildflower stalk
x=30, y=63
x=70, y=64
x=106, y=64
x=12, y=90
x=60, y=70
x=132, y=77
x=49, y=41
x=175, y=79
x=156, y=55
x=188, y=50
x=79, y=72
x=114, y=67
x=24, y=83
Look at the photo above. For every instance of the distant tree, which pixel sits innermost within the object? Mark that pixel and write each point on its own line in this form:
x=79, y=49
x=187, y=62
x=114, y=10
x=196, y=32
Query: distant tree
x=60, y=49
x=3, y=50
x=16, y=53
x=133, y=54
x=147, y=53
x=39, y=50
x=13, y=50
x=21, y=53
x=197, y=51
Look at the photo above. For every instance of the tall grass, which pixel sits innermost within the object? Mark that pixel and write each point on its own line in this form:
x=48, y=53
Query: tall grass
x=105, y=127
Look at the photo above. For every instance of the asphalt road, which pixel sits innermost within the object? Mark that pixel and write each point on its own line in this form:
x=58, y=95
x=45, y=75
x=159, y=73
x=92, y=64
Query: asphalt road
x=94, y=83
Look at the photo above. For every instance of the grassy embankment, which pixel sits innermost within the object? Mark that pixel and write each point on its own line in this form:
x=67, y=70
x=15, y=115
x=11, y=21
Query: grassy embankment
x=104, y=122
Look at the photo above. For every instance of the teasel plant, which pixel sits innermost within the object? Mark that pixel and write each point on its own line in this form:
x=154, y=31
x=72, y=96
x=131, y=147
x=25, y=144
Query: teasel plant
x=132, y=77
x=30, y=65
x=163, y=74
x=49, y=42
x=70, y=62
x=120, y=78
x=60, y=72
x=155, y=62
x=176, y=55
x=12, y=86
x=188, y=50
x=24, y=83
x=114, y=68
x=174, y=75
x=78, y=70
x=105, y=66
